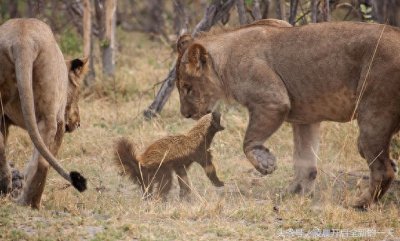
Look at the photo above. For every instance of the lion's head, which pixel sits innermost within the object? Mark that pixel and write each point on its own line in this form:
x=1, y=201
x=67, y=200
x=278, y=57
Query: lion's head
x=77, y=69
x=197, y=81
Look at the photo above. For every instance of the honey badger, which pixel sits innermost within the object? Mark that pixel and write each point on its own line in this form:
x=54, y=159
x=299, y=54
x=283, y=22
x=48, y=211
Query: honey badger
x=172, y=153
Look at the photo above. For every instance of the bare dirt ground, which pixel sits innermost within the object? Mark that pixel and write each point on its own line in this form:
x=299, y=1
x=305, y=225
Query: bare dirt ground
x=249, y=207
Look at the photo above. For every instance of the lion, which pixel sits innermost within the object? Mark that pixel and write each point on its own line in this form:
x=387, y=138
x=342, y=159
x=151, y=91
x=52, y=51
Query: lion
x=172, y=153
x=39, y=93
x=336, y=71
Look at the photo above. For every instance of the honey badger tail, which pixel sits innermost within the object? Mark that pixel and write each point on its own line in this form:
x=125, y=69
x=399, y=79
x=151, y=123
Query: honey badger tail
x=125, y=157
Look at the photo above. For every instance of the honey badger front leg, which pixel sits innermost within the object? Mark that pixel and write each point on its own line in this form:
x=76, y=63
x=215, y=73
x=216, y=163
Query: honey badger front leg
x=209, y=168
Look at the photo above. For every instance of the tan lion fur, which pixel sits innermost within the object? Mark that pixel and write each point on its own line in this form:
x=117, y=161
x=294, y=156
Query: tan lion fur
x=155, y=165
x=39, y=93
x=335, y=71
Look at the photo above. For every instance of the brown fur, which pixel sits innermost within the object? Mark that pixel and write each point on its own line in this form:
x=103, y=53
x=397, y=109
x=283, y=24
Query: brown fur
x=172, y=153
x=303, y=75
x=39, y=93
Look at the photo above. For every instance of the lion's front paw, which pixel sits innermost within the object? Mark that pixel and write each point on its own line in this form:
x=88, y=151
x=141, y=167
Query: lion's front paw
x=301, y=187
x=304, y=181
x=262, y=160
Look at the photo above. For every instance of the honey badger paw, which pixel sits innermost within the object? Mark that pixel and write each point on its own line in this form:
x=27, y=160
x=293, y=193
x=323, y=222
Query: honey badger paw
x=219, y=184
x=262, y=160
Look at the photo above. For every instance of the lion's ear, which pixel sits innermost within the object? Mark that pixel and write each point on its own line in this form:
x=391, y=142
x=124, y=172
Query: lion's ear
x=77, y=67
x=183, y=42
x=197, y=57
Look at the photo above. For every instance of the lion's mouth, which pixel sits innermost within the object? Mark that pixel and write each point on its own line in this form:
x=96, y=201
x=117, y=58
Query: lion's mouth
x=70, y=128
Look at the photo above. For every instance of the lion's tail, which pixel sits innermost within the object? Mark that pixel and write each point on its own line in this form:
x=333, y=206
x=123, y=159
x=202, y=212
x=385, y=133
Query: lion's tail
x=23, y=70
x=126, y=158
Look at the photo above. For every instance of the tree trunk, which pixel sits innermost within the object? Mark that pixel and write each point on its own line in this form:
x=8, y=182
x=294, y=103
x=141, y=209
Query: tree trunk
x=256, y=10
x=34, y=8
x=281, y=9
x=241, y=12
x=181, y=19
x=13, y=8
x=87, y=39
x=87, y=29
x=266, y=9
x=293, y=11
x=325, y=10
x=215, y=11
x=154, y=20
x=314, y=11
x=108, y=40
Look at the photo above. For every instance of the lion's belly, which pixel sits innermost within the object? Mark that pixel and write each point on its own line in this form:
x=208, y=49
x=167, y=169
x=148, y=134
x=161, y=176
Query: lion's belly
x=338, y=106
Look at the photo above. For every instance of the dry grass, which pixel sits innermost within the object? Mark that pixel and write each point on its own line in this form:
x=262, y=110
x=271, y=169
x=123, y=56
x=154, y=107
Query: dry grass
x=249, y=207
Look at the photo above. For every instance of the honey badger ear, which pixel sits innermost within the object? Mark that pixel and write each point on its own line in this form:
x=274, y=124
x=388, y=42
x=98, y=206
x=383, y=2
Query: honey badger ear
x=197, y=57
x=183, y=42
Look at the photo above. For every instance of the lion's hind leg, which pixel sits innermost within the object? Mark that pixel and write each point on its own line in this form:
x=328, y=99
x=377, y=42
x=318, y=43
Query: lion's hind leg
x=376, y=131
x=36, y=171
x=5, y=171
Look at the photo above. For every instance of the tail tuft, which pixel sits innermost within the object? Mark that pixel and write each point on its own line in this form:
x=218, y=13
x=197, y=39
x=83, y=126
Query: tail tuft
x=78, y=181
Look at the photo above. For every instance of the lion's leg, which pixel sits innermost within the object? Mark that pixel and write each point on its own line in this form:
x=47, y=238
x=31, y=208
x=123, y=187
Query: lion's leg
x=58, y=139
x=373, y=143
x=209, y=168
x=262, y=124
x=4, y=127
x=183, y=181
x=306, y=143
x=268, y=107
x=5, y=171
x=36, y=171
